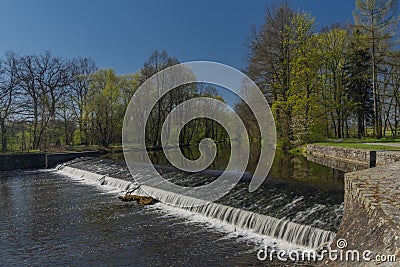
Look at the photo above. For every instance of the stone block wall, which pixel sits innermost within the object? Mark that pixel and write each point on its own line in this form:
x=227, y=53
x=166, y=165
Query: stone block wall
x=387, y=157
x=357, y=156
x=371, y=218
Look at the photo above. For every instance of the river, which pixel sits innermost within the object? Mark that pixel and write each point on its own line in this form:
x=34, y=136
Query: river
x=48, y=218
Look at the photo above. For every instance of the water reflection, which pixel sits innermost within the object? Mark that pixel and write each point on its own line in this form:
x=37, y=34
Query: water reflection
x=286, y=166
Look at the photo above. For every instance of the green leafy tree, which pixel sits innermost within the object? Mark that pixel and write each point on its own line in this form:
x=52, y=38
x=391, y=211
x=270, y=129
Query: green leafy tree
x=284, y=64
x=305, y=84
x=270, y=57
x=8, y=95
x=128, y=84
x=157, y=62
x=334, y=42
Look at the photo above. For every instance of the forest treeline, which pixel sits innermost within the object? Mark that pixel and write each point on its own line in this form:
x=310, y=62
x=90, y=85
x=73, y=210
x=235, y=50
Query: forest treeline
x=48, y=103
x=342, y=81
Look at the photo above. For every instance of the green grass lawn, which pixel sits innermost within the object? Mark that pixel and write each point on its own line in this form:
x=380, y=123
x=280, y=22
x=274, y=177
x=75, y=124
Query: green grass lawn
x=364, y=140
x=359, y=145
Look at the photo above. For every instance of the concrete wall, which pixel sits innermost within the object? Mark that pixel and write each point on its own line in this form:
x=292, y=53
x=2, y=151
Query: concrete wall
x=23, y=161
x=39, y=160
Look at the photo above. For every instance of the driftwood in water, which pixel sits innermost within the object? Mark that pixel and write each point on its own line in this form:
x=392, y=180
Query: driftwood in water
x=139, y=199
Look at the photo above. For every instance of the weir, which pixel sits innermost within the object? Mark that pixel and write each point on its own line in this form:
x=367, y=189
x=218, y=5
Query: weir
x=280, y=228
x=40, y=160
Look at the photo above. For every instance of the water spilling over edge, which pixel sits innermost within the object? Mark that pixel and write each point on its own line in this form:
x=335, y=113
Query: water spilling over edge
x=282, y=229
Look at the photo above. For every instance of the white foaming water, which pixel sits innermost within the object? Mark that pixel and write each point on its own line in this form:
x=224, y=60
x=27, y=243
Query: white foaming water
x=90, y=178
x=231, y=231
x=285, y=233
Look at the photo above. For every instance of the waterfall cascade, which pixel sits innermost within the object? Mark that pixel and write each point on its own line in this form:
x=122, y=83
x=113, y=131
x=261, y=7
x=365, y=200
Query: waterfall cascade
x=283, y=229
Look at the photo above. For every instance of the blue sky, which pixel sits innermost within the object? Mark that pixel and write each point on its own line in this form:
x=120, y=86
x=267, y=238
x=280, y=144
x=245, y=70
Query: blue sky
x=122, y=34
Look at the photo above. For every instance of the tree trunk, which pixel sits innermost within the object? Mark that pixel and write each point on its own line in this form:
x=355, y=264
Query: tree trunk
x=3, y=136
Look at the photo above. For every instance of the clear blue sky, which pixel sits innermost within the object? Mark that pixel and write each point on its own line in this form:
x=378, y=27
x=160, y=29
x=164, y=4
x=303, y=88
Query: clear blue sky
x=122, y=34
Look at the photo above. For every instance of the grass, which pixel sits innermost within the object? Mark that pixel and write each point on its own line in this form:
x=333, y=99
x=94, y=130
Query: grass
x=365, y=140
x=359, y=145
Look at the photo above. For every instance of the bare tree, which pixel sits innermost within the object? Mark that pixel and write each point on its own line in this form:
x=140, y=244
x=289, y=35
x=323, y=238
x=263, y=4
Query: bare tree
x=157, y=62
x=8, y=94
x=43, y=79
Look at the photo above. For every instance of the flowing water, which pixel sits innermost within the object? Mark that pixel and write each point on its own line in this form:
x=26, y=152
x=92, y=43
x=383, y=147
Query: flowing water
x=50, y=219
x=66, y=217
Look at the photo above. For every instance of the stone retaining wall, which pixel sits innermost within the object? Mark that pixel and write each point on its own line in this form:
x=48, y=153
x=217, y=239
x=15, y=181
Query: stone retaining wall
x=371, y=218
x=387, y=157
x=358, y=157
x=343, y=165
x=350, y=155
